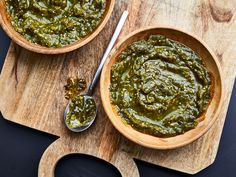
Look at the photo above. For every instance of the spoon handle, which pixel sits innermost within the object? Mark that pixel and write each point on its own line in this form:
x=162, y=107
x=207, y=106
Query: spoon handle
x=109, y=47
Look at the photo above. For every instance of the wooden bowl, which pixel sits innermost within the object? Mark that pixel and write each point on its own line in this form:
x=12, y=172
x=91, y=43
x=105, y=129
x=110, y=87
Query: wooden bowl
x=212, y=112
x=19, y=39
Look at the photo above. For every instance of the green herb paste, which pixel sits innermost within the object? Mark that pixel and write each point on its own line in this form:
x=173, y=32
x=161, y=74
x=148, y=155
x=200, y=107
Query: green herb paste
x=82, y=110
x=74, y=87
x=160, y=87
x=55, y=23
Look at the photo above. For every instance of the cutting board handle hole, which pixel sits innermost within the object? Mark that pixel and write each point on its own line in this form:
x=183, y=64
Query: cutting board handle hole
x=85, y=165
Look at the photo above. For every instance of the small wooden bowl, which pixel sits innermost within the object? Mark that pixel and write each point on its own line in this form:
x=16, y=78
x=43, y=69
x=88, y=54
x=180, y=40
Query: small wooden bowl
x=212, y=112
x=5, y=22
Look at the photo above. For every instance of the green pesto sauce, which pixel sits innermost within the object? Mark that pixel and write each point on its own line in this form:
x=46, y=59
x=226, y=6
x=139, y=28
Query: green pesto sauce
x=55, y=23
x=74, y=87
x=82, y=110
x=160, y=87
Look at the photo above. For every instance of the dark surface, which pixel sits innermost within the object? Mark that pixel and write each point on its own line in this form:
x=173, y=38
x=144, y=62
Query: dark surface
x=21, y=149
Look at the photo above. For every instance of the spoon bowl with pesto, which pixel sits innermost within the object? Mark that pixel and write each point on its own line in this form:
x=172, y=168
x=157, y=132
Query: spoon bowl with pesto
x=54, y=27
x=162, y=87
x=83, y=113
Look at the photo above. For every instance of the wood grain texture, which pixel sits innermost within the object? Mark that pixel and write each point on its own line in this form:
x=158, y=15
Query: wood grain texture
x=32, y=86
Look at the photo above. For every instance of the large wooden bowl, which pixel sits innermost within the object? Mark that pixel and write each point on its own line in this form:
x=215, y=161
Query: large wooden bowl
x=19, y=39
x=212, y=112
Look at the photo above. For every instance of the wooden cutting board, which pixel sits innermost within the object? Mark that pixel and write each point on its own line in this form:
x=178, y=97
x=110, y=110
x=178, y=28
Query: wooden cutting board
x=32, y=87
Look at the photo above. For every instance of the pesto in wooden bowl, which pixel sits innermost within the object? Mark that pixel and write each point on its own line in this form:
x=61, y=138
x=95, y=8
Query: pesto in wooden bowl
x=55, y=23
x=160, y=86
x=54, y=27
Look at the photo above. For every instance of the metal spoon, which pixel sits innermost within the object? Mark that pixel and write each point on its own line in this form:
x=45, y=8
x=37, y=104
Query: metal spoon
x=89, y=93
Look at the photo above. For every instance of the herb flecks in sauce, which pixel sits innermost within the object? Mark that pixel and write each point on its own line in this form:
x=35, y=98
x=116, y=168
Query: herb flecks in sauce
x=55, y=23
x=160, y=87
x=82, y=110
x=74, y=87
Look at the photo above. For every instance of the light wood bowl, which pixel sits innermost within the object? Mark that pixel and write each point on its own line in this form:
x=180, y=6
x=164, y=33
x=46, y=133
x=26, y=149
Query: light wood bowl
x=5, y=22
x=212, y=112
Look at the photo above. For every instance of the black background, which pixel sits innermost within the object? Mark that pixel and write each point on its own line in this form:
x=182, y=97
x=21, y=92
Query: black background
x=21, y=149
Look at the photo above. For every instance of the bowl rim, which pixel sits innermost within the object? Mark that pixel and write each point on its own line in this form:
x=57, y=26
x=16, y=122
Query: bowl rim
x=20, y=40
x=134, y=139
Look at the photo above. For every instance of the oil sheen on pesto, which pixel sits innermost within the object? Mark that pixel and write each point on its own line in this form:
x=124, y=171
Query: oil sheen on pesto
x=82, y=110
x=160, y=87
x=55, y=23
